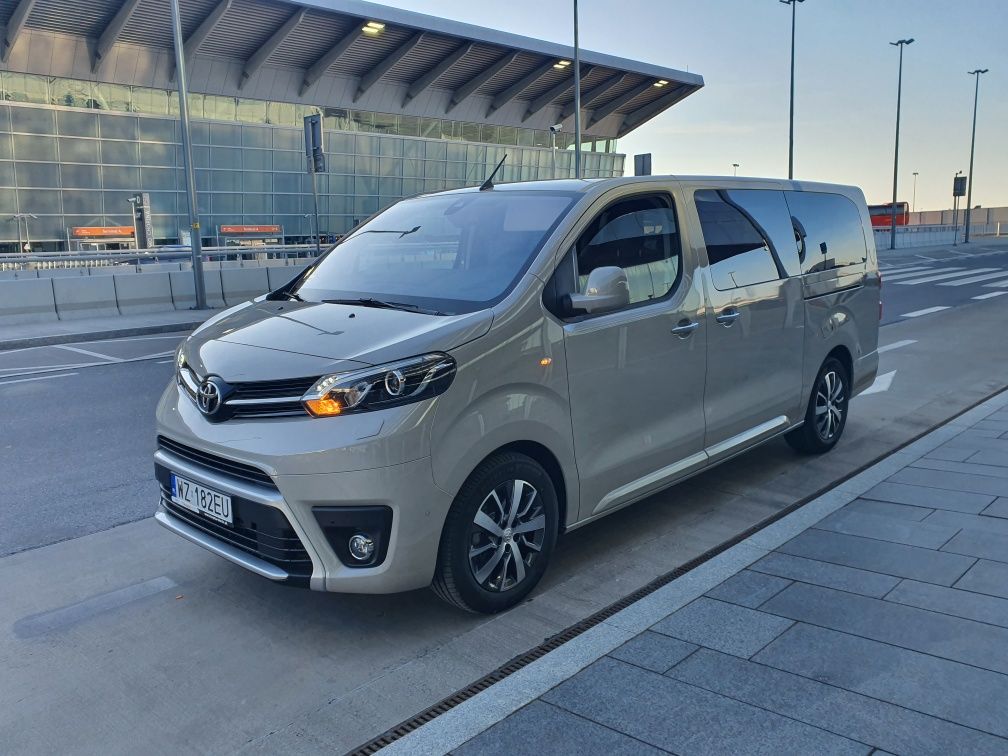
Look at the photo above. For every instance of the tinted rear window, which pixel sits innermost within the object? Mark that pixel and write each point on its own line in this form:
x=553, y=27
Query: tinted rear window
x=833, y=234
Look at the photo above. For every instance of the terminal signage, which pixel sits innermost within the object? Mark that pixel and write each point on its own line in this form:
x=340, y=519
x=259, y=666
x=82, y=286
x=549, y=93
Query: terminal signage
x=250, y=229
x=101, y=232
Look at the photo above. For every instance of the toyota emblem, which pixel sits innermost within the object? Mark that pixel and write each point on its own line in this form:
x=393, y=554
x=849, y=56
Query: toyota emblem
x=209, y=398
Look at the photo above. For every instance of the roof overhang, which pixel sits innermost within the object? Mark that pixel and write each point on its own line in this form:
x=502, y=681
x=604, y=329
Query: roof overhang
x=339, y=53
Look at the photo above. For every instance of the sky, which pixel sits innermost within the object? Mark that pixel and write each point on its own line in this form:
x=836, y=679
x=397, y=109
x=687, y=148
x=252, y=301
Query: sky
x=845, y=89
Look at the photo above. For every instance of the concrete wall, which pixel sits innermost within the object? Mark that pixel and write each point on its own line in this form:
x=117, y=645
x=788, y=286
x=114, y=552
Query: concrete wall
x=35, y=299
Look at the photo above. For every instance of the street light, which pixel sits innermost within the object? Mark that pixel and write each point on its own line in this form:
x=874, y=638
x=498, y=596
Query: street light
x=577, y=97
x=969, y=180
x=899, y=93
x=955, y=210
x=195, y=240
x=554, y=130
x=734, y=169
x=790, y=154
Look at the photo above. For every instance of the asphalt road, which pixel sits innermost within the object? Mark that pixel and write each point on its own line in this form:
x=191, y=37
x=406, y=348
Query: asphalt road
x=179, y=651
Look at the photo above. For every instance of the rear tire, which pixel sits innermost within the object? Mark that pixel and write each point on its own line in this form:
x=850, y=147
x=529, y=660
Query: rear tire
x=498, y=536
x=826, y=414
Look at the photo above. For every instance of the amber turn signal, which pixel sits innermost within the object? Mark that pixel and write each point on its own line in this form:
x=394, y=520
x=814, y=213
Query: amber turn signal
x=324, y=407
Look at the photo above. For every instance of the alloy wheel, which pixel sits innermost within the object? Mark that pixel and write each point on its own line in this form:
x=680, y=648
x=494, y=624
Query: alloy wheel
x=506, y=535
x=830, y=404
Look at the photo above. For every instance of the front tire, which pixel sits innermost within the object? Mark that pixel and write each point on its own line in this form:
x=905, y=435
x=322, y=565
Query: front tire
x=826, y=414
x=498, y=536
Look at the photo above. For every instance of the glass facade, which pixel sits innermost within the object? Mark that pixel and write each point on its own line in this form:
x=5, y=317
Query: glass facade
x=73, y=152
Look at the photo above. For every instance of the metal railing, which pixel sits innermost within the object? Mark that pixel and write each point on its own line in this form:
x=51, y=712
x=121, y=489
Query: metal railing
x=925, y=235
x=111, y=258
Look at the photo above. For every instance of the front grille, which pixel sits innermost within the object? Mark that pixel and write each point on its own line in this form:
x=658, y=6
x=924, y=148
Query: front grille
x=270, y=389
x=215, y=463
x=258, y=529
x=281, y=398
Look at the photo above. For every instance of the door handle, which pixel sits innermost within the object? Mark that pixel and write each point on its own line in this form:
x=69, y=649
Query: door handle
x=685, y=328
x=728, y=316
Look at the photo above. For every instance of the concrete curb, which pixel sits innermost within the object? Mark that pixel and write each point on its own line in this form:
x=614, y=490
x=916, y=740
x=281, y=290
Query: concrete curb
x=112, y=333
x=477, y=714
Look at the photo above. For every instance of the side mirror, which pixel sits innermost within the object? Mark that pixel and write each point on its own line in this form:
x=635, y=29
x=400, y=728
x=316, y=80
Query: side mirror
x=607, y=290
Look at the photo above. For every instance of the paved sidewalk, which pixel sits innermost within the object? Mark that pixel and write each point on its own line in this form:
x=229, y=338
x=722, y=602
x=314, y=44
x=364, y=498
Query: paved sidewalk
x=94, y=329
x=874, y=618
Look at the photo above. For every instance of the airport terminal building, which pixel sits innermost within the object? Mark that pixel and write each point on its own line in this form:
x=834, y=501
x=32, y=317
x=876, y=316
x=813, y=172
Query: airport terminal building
x=410, y=103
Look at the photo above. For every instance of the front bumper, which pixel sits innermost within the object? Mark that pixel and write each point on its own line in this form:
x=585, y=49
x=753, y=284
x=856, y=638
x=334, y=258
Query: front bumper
x=277, y=532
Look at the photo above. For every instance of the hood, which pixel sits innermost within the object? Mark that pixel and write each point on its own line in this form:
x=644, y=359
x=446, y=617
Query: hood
x=267, y=340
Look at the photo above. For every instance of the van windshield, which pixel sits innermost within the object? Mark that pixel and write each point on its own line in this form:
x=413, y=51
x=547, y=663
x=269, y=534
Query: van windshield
x=447, y=253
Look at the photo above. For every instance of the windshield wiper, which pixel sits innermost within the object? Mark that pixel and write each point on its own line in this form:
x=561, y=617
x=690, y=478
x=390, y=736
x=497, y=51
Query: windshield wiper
x=381, y=303
x=392, y=231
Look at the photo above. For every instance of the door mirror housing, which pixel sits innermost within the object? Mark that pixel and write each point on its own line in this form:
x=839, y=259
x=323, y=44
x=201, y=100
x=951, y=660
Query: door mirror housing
x=607, y=290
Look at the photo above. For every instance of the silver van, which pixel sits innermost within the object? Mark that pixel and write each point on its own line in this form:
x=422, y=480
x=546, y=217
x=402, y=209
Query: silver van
x=470, y=374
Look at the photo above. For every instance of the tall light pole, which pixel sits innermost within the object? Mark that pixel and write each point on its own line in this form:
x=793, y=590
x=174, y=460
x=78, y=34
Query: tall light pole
x=913, y=199
x=969, y=179
x=790, y=153
x=734, y=169
x=895, y=179
x=577, y=97
x=194, y=224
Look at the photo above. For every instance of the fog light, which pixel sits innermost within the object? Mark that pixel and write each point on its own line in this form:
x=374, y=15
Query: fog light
x=361, y=547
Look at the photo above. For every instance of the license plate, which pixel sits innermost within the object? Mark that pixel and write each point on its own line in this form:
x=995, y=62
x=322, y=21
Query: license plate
x=200, y=499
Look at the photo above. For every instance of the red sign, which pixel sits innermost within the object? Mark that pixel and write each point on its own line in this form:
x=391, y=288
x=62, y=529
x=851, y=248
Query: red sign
x=91, y=232
x=250, y=229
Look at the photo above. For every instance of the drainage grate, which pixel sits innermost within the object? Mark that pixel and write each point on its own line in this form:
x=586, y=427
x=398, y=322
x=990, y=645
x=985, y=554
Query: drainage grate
x=555, y=641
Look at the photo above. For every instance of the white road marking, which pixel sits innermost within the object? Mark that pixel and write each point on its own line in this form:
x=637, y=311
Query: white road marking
x=996, y=283
x=38, y=378
x=164, y=362
x=975, y=279
x=943, y=276
x=896, y=345
x=89, y=353
x=927, y=311
x=991, y=295
x=915, y=273
x=900, y=271
x=881, y=384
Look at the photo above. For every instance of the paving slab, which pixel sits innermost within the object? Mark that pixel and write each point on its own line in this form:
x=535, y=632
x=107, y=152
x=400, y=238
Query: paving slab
x=952, y=481
x=932, y=498
x=887, y=529
x=653, y=651
x=986, y=577
x=893, y=559
x=826, y=574
x=950, y=690
x=726, y=627
x=998, y=509
x=990, y=457
x=950, y=453
x=749, y=588
x=969, y=521
x=979, y=543
x=889, y=509
x=543, y=728
x=967, y=468
x=941, y=635
x=953, y=601
x=843, y=712
x=684, y=718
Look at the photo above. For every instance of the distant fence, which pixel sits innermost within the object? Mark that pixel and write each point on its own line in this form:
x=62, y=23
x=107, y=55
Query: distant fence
x=926, y=235
x=988, y=216
x=100, y=285
x=144, y=259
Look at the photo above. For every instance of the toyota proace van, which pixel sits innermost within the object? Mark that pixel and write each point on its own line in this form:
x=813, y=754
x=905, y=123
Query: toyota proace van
x=470, y=374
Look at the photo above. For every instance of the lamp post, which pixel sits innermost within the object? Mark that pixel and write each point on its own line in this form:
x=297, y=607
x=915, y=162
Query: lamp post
x=577, y=97
x=734, y=169
x=899, y=93
x=969, y=179
x=554, y=130
x=194, y=224
x=790, y=154
x=913, y=199
x=955, y=211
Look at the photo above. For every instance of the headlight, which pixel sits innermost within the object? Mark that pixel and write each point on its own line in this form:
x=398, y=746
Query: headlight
x=375, y=388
